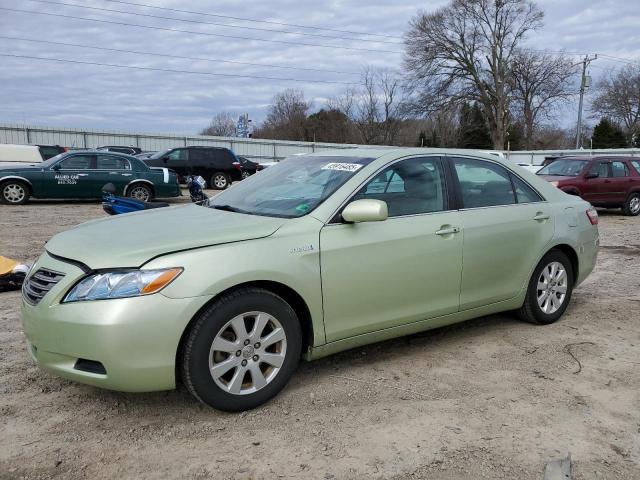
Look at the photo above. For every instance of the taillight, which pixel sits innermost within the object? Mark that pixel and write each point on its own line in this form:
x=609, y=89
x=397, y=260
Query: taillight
x=592, y=214
x=237, y=165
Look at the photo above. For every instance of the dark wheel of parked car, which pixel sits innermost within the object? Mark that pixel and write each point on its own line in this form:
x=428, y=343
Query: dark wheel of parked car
x=245, y=174
x=549, y=290
x=140, y=191
x=220, y=180
x=14, y=192
x=632, y=205
x=242, y=350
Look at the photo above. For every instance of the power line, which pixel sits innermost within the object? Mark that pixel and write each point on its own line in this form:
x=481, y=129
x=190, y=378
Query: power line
x=136, y=52
x=170, y=70
x=254, y=20
x=201, y=22
x=620, y=59
x=150, y=27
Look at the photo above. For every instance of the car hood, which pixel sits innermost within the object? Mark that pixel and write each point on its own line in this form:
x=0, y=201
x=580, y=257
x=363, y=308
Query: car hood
x=130, y=240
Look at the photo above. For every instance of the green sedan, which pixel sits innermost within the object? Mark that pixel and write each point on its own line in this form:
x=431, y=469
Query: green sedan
x=317, y=254
x=82, y=174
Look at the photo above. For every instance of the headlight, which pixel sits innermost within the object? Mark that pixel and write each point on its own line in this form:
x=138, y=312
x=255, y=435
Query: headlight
x=121, y=284
x=555, y=184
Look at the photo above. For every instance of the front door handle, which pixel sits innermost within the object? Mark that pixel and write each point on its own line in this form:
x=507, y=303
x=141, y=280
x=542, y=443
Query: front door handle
x=446, y=230
x=541, y=217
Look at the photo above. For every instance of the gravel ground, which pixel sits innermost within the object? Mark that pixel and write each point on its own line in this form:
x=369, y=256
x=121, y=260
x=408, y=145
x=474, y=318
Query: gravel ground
x=489, y=398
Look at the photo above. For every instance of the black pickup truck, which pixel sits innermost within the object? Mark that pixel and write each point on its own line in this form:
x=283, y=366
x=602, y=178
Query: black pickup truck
x=218, y=166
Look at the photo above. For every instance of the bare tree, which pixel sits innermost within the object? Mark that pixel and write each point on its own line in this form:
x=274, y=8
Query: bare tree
x=374, y=107
x=539, y=82
x=463, y=52
x=222, y=125
x=618, y=98
x=286, y=117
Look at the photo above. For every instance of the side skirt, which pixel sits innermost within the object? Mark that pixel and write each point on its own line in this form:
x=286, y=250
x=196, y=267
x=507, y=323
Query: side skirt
x=320, y=351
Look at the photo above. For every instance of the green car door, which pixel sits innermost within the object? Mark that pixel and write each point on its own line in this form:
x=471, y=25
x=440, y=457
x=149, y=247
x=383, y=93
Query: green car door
x=378, y=275
x=506, y=225
x=71, y=177
x=111, y=169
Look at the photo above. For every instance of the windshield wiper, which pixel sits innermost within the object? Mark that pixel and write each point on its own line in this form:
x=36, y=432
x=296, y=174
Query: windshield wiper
x=229, y=208
x=226, y=208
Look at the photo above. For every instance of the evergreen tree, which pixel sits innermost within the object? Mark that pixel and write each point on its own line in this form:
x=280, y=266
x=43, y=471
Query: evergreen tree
x=607, y=134
x=473, y=130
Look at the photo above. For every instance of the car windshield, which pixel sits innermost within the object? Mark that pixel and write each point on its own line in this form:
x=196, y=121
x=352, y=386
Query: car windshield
x=159, y=154
x=564, y=168
x=292, y=188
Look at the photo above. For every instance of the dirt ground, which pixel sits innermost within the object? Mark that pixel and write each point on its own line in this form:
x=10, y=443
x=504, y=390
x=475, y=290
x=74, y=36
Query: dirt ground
x=489, y=398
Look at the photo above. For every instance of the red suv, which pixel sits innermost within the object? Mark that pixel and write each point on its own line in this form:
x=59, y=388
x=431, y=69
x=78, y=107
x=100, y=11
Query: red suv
x=612, y=182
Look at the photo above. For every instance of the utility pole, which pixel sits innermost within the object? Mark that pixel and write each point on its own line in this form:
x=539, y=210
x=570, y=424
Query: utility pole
x=584, y=84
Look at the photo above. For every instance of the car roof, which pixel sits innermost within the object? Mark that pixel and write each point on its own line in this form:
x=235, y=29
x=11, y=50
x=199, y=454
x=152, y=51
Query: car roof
x=598, y=157
x=383, y=151
x=102, y=152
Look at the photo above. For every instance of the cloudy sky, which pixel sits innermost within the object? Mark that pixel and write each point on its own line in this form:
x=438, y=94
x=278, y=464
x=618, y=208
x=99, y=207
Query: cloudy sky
x=229, y=56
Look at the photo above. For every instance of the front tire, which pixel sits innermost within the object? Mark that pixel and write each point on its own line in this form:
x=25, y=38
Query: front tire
x=220, y=181
x=549, y=290
x=241, y=351
x=14, y=192
x=631, y=206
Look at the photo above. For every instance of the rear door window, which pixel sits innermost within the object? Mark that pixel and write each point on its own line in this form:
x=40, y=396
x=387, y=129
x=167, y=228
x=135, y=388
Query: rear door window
x=483, y=184
x=524, y=193
x=111, y=162
x=619, y=169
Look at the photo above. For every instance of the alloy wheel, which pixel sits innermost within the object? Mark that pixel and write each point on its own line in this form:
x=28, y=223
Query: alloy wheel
x=552, y=287
x=14, y=193
x=140, y=193
x=220, y=181
x=634, y=205
x=247, y=353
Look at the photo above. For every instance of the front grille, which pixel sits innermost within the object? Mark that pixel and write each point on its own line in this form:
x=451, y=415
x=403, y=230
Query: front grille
x=38, y=284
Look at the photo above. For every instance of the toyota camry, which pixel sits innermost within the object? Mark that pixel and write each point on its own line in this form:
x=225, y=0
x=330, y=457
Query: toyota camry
x=317, y=254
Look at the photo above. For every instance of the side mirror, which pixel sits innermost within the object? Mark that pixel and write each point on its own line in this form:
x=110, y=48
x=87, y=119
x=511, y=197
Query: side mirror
x=366, y=210
x=592, y=175
x=56, y=167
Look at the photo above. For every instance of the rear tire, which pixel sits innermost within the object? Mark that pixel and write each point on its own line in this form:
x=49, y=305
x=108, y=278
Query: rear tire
x=140, y=191
x=14, y=192
x=631, y=206
x=549, y=290
x=241, y=350
x=220, y=181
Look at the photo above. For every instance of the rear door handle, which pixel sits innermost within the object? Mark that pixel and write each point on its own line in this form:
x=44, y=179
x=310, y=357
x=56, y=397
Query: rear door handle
x=447, y=231
x=541, y=217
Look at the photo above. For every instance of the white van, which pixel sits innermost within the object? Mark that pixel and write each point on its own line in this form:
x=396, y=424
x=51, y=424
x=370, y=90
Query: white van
x=19, y=154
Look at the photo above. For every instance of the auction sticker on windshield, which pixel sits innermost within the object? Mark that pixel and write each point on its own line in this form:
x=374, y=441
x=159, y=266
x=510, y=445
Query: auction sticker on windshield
x=343, y=167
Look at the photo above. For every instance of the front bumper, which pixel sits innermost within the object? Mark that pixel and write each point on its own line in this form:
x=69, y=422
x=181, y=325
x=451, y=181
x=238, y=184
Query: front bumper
x=135, y=339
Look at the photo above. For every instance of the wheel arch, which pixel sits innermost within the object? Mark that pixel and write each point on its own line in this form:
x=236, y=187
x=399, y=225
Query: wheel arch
x=17, y=177
x=288, y=294
x=139, y=180
x=27, y=182
x=570, y=252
